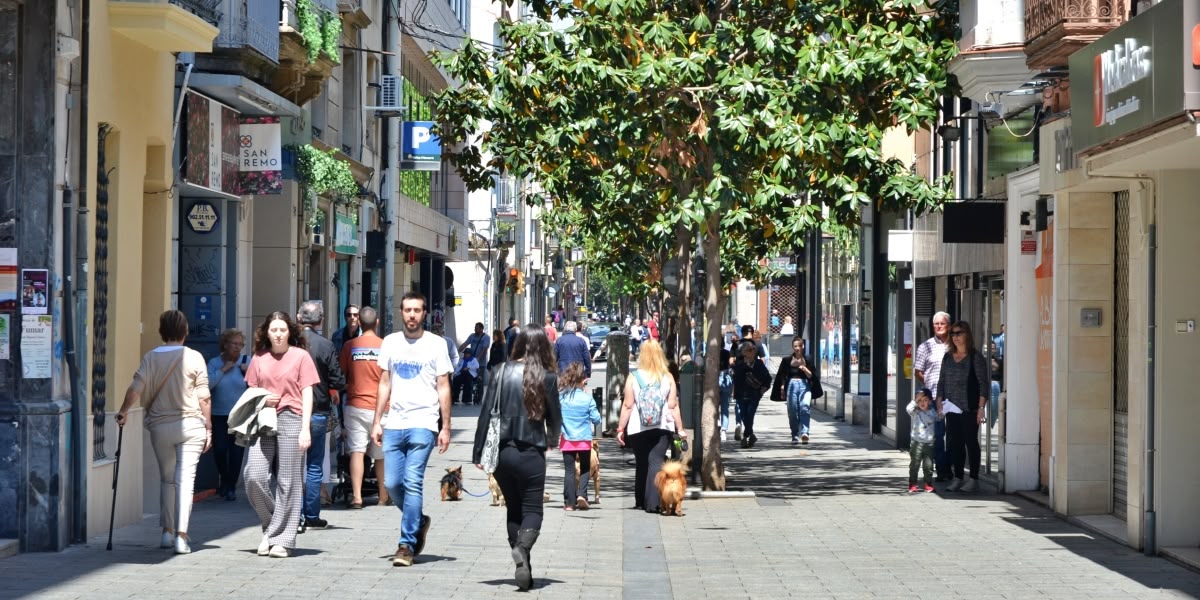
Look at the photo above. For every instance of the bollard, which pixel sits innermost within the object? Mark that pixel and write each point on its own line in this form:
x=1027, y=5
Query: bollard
x=616, y=372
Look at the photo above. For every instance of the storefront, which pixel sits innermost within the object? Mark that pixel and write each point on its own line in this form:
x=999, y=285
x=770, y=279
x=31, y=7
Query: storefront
x=1125, y=223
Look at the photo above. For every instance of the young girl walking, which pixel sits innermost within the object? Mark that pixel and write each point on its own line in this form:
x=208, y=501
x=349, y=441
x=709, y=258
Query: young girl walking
x=579, y=414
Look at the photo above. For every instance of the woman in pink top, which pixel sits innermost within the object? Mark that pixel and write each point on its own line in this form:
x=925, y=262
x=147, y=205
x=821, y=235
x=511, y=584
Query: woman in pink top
x=284, y=368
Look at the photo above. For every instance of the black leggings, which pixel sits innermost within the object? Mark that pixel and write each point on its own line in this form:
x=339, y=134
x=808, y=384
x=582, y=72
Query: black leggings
x=571, y=490
x=226, y=454
x=962, y=440
x=649, y=450
x=521, y=474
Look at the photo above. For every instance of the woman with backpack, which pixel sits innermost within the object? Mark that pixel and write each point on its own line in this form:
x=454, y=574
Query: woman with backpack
x=961, y=397
x=650, y=408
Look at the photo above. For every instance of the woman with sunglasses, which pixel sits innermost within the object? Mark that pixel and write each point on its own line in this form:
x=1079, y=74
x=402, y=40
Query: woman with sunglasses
x=961, y=397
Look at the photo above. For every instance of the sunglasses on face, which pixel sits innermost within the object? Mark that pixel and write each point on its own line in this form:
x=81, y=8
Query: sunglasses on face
x=958, y=333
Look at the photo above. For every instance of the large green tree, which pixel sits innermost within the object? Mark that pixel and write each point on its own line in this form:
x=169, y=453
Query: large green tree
x=749, y=122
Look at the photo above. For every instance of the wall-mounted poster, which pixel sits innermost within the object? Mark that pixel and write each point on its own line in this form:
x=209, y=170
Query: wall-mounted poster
x=8, y=279
x=260, y=156
x=36, y=338
x=5, y=338
x=35, y=291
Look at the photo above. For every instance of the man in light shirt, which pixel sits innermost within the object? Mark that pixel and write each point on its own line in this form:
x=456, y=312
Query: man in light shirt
x=927, y=367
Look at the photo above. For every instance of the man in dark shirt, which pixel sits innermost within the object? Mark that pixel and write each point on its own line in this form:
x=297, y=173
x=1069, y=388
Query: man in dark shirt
x=352, y=329
x=510, y=334
x=572, y=348
x=310, y=316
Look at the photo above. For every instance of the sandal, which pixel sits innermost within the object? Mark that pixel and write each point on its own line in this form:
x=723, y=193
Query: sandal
x=581, y=503
x=355, y=506
x=569, y=508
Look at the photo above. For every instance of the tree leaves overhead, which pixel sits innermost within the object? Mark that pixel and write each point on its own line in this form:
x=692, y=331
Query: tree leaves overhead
x=637, y=117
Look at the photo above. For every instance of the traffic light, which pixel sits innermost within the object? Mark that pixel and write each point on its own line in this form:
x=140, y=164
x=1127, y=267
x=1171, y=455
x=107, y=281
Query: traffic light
x=510, y=284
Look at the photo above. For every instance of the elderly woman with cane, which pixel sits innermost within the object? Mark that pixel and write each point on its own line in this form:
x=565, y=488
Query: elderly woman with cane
x=172, y=384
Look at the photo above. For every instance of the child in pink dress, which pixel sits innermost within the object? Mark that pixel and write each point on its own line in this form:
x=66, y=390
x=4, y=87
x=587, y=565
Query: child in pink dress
x=579, y=414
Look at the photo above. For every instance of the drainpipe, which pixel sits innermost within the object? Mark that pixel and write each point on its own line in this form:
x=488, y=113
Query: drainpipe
x=75, y=281
x=1149, y=517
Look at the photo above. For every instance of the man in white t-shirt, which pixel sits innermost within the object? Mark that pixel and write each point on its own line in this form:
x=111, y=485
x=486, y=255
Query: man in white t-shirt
x=412, y=412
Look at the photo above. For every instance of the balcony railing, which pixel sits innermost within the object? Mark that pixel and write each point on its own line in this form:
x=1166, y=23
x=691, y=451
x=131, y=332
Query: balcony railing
x=259, y=30
x=1056, y=28
x=205, y=9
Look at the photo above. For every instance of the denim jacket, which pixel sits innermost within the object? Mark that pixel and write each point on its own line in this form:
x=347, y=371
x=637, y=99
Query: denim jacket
x=578, y=415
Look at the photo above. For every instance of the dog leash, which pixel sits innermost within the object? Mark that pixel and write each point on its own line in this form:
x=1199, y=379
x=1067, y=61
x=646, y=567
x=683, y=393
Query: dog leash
x=468, y=492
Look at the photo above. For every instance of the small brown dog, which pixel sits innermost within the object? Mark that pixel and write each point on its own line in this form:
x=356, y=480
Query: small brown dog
x=672, y=487
x=593, y=471
x=494, y=488
x=452, y=484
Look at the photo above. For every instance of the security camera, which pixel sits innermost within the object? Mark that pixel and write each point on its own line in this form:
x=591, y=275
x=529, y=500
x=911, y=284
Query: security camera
x=991, y=109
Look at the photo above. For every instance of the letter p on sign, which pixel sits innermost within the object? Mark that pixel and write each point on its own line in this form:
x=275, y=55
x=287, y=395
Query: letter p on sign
x=420, y=135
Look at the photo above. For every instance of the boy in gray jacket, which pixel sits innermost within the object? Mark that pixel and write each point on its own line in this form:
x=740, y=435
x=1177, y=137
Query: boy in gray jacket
x=920, y=447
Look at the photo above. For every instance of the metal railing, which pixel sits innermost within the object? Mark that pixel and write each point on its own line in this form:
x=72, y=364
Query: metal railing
x=1043, y=16
x=259, y=32
x=205, y=9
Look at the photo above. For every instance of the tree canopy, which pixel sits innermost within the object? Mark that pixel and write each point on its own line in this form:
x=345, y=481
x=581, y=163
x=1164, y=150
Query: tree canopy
x=751, y=121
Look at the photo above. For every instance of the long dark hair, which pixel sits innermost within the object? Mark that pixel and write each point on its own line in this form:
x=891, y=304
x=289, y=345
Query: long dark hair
x=533, y=345
x=968, y=339
x=262, y=343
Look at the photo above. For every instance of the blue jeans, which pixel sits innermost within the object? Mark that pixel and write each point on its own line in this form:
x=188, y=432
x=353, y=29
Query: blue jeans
x=405, y=455
x=315, y=465
x=725, y=384
x=994, y=404
x=798, y=402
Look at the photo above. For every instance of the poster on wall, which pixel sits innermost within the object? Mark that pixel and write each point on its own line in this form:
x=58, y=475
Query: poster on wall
x=211, y=132
x=5, y=338
x=36, y=354
x=8, y=279
x=34, y=291
x=260, y=156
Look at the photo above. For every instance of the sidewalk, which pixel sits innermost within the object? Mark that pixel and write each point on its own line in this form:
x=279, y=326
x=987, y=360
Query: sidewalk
x=831, y=520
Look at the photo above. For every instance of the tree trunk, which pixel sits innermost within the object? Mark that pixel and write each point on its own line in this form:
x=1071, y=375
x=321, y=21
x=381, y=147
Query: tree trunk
x=712, y=472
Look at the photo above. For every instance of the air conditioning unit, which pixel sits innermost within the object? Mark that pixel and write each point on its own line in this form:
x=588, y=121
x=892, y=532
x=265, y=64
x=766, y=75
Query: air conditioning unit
x=318, y=239
x=389, y=98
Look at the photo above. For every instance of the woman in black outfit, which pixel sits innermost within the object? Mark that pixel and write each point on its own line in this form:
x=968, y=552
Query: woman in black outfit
x=750, y=379
x=963, y=385
x=498, y=352
x=526, y=389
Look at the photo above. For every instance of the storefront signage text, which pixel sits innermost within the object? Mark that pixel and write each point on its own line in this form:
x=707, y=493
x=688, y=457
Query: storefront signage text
x=1114, y=70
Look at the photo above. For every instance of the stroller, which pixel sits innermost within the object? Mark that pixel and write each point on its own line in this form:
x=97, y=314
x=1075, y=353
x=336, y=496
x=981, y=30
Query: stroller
x=342, y=491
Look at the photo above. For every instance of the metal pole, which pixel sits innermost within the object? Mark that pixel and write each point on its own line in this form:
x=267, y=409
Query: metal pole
x=390, y=184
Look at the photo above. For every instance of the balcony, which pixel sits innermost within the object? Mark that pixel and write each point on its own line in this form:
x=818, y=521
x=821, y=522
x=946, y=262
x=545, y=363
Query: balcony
x=991, y=56
x=166, y=25
x=299, y=79
x=353, y=13
x=1055, y=29
x=251, y=25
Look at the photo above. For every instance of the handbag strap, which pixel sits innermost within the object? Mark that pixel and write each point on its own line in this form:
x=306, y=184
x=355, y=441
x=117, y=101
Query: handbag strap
x=169, y=372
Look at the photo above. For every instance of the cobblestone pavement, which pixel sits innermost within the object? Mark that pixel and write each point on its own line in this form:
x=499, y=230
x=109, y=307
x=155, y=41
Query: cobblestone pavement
x=830, y=520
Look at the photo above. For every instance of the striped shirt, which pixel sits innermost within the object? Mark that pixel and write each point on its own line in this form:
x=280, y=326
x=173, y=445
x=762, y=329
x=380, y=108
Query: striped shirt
x=929, y=361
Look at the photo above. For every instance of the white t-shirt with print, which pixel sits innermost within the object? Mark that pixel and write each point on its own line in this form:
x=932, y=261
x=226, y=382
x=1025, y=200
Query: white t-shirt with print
x=415, y=366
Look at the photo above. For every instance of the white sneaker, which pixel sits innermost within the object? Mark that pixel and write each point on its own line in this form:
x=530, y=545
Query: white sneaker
x=264, y=547
x=724, y=435
x=182, y=546
x=969, y=485
x=279, y=552
x=168, y=539
x=955, y=485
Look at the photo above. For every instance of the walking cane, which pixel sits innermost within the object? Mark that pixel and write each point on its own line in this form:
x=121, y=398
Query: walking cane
x=112, y=514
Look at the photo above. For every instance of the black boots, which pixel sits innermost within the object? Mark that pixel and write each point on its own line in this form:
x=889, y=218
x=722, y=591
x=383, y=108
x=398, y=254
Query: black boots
x=520, y=553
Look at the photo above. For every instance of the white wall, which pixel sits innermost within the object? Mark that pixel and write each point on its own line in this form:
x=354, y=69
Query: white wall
x=1021, y=417
x=1178, y=354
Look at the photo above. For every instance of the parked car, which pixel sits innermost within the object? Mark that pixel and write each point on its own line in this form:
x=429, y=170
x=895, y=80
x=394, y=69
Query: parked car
x=596, y=333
